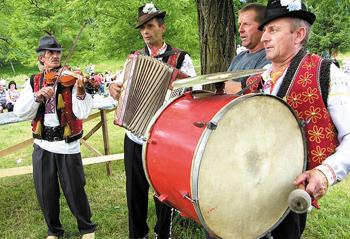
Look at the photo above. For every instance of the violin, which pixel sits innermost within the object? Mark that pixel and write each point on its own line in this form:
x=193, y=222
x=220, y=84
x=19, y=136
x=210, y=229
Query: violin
x=68, y=78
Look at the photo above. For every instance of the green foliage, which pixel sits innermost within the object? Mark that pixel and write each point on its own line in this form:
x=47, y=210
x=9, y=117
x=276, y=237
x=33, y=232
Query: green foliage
x=331, y=29
x=110, y=31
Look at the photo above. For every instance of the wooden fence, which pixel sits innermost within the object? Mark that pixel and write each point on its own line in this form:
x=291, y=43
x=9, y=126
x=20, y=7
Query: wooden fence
x=105, y=157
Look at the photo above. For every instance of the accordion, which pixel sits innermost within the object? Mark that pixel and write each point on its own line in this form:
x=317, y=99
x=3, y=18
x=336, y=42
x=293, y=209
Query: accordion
x=145, y=87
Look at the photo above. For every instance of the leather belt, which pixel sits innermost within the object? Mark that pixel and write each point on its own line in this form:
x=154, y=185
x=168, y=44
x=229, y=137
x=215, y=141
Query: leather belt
x=52, y=133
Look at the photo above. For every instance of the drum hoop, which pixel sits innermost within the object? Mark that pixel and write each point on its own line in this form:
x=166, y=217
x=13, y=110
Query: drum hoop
x=204, y=140
x=147, y=134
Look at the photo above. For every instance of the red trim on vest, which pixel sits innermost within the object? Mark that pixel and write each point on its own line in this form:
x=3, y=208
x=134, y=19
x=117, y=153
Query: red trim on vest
x=67, y=115
x=305, y=97
x=253, y=82
x=172, y=61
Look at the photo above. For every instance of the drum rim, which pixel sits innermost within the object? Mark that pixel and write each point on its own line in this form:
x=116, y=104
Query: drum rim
x=204, y=140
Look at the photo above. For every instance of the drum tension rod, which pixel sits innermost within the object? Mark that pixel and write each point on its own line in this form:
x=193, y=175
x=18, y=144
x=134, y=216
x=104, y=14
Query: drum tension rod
x=186, y=196
x=209, y=125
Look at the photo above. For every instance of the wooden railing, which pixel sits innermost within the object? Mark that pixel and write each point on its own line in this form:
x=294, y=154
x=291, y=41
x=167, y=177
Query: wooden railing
x=104, y=157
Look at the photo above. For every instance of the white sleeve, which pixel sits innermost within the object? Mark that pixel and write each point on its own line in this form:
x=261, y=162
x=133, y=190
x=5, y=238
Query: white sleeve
x=26, y=107
x=187, y=66
x=339, y=109
x=81, y=107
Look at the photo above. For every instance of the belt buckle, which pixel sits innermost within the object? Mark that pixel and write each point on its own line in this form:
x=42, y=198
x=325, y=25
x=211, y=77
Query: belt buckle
x=56, y=138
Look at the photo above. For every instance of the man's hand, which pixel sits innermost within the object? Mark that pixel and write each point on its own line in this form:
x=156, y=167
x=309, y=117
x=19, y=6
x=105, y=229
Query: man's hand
x=315, y=182
x=115, y=89
x=44, y=93
x=80, y=84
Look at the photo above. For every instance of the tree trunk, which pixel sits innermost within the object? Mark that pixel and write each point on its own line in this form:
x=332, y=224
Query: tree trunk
x=216, y=25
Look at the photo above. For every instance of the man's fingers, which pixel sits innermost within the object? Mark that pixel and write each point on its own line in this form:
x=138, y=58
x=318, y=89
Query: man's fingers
x=301, y=179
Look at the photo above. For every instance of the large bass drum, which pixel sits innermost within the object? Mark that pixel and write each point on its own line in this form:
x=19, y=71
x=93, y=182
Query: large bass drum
x=227, y=162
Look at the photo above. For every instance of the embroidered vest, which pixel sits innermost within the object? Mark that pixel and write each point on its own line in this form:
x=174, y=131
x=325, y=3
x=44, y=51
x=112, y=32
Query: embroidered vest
x=73, y=127
x=175, y=57
x=304, y=95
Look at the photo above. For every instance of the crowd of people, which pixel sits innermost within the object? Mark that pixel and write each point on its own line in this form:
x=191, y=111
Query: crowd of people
x=9, y=97
x=274, y=37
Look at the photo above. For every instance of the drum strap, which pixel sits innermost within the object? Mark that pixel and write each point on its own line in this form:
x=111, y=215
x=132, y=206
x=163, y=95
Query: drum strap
x=256, y=80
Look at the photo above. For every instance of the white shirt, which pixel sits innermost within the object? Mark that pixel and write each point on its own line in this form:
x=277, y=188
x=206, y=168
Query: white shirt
x=187, y=68
x=339, y=109
x=26, y=109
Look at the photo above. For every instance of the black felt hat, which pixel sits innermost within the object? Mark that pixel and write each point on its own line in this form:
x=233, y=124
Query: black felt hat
x=48, y=43
x=286, y=8
x=147, y=12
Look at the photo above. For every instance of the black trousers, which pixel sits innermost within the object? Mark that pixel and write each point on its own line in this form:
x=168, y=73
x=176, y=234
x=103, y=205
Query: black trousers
x=137, y=188
x=47, y=169
x=291, y=227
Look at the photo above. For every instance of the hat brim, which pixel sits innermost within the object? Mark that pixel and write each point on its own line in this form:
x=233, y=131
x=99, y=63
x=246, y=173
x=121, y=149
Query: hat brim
x=305, y=15
x=150, y=17
x=48, y=48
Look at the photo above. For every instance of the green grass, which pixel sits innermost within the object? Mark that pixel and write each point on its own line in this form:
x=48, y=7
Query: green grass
x=20, y=215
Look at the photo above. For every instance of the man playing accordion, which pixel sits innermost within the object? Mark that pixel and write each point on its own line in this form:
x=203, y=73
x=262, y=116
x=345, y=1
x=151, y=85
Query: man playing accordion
x=151, y=26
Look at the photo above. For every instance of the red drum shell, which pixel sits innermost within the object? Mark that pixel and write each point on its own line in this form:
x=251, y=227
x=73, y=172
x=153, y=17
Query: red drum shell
x=193, y=165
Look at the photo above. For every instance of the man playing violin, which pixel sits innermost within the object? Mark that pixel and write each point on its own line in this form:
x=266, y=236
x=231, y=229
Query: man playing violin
x=57, y=110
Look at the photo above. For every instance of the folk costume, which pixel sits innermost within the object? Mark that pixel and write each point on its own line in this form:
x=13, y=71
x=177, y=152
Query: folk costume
x=137, y=186
x=319, y=93
x=57, y=127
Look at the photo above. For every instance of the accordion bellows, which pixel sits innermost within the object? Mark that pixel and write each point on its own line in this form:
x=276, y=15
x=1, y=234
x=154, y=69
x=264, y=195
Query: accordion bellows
x=145, y=84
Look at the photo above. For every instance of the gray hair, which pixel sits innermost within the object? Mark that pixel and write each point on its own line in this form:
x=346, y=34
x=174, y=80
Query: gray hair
x=41, y=53
x=297, y=23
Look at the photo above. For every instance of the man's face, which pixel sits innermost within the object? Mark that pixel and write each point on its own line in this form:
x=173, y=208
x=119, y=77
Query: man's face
x=1, y=87
x=248, y=30
x=279, y=40
x=152, y=32
x=51, y=59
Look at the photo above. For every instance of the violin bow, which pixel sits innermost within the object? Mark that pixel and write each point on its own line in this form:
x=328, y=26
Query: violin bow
x=70, y=53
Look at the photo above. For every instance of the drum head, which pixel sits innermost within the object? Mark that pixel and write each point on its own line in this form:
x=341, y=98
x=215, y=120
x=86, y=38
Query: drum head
x=244, y=170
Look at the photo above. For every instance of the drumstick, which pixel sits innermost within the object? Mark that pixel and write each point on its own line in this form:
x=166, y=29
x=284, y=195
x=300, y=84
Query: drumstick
x=299, y=200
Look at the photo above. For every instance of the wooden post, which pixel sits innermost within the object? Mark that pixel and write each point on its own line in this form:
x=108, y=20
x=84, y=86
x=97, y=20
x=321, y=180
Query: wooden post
x=106, y=140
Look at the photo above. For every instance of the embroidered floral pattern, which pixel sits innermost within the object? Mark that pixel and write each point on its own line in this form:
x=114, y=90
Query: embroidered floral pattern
x=320, y=131
x=318, y=155
x=313, y=114
x=294, y=99
x=325, y=113
x=316, y=134
x=331, y=148
x=330, y=131
x=305, y=79
x=309, y=65
x=300, y=115
x=310, y=95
